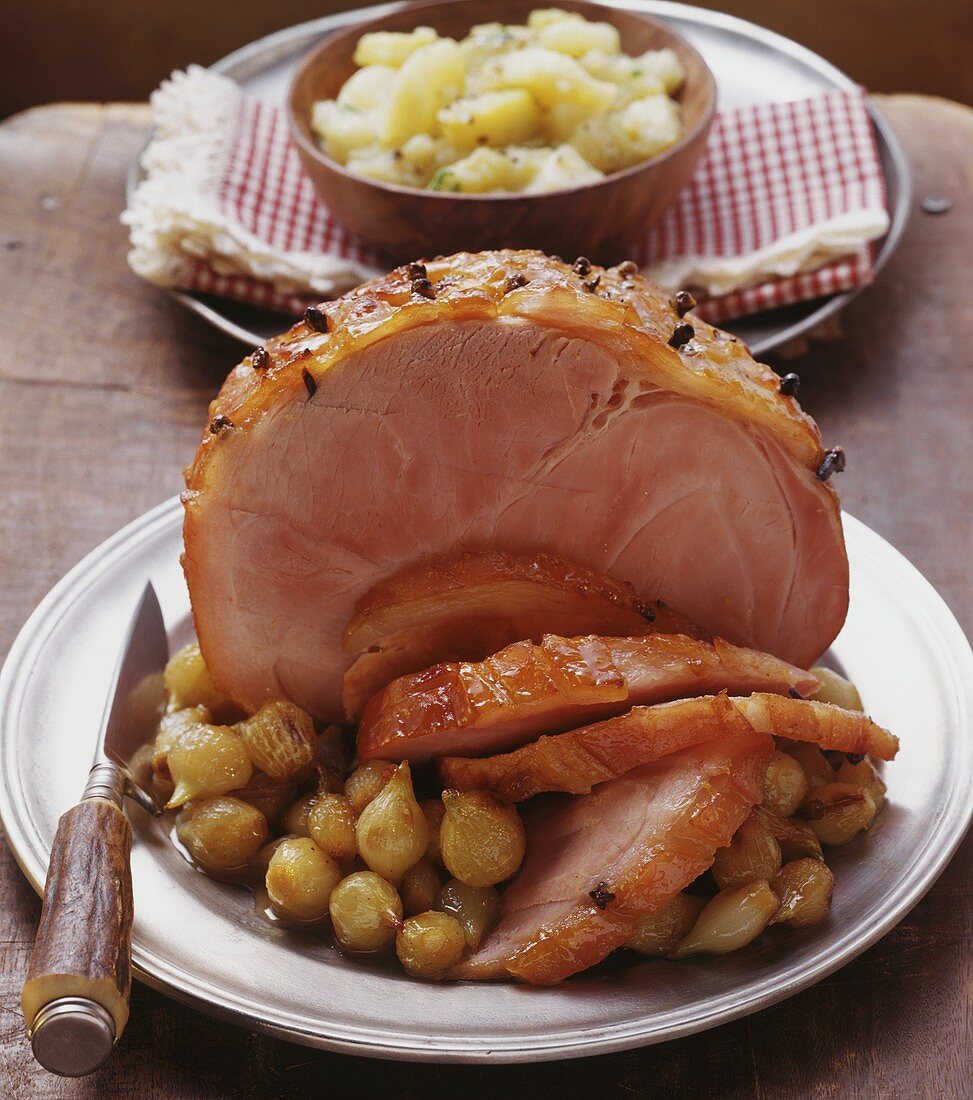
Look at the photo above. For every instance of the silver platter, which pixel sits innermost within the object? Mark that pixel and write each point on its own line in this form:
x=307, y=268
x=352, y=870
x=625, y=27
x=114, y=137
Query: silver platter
x=202, y=942
x=751, y=65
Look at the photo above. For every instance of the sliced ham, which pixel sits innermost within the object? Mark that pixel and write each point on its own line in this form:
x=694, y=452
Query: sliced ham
x=506, y=402
x=474, y=708
x=467, y=606
x=578, y=760
x=629, y=846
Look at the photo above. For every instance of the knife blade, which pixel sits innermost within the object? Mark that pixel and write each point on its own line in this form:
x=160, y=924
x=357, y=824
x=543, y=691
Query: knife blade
x=75, y=998
x=136, y=700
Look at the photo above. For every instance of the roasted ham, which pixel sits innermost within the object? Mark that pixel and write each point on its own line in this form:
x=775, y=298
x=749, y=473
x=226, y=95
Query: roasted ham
x=598, y=862
x=501, y=400
x=578, y=760
x=467, y=606
x=473, y=708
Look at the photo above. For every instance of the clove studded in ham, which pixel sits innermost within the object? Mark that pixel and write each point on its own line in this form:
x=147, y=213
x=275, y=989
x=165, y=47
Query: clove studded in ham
x=467, y=606
x=507, y=402
x=598, y=862
x=472, y=708
x=578, y=760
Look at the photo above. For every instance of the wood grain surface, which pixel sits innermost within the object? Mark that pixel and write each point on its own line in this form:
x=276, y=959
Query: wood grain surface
x=103, y=388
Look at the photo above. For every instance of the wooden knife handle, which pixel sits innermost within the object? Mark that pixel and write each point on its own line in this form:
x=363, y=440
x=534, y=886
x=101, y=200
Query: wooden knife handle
x=82, y=952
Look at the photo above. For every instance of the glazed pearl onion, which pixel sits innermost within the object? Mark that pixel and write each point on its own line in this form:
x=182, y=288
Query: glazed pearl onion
x=477, y=908
x=752, y=854
x=366, y=912
x=205, y=761
x=300, y=879
x=222, y=833
x=731, y=920
x=785, y=784
x=331, y=825
x=429, y=944
x=804, y=888
x=658, y=934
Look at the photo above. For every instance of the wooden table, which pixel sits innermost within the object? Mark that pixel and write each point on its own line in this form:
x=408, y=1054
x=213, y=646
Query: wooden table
x=103, y=389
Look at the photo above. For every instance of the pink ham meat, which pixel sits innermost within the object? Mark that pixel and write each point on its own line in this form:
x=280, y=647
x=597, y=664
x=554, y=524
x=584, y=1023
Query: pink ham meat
x=468, y=709
x=632, y=845
x=505, y=403
x=578, y=760
x=467, y=606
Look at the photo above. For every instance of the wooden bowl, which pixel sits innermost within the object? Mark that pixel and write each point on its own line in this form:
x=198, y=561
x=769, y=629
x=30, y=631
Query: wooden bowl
x=603, y=220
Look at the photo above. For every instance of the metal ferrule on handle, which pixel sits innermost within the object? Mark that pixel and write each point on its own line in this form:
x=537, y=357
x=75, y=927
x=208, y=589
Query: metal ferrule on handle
x=105, y=781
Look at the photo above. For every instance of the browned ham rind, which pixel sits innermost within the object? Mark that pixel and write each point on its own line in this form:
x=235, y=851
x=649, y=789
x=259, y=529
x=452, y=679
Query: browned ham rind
x=475, y=708
x=578, y=760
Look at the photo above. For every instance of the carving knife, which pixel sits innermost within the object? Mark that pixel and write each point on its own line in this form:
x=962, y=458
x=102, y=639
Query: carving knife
x=75, y=998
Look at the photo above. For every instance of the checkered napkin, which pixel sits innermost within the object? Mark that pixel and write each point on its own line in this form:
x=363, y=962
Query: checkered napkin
x=782, y=208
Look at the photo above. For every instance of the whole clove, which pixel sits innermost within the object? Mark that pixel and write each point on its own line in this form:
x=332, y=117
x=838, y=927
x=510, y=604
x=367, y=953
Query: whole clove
x=316, y=318
x=790, y=384
x=581, y=266
x=601, y=895
x=683, y=302
x=681, y=334
x=833, y=463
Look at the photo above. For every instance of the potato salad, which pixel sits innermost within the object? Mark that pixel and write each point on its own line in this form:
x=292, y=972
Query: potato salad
x=529, y=108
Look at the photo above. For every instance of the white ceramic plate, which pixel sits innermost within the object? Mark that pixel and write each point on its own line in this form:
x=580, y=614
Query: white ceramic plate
x=751, y=65
x=201, y=942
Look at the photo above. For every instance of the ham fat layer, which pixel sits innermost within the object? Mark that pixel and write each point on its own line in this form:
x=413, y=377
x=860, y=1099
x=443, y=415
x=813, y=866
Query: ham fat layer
x=536, y=418
x=642, y=838
x=467, y=606
x=474, y=708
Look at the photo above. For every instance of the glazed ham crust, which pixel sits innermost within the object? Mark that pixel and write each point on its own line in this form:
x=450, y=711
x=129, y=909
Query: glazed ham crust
x=641, y=838
x=520, y=407
x=576, y=761
x=473, y=708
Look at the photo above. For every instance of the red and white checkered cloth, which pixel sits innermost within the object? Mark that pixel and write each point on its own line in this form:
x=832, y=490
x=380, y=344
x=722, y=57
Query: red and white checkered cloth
x=781, y=188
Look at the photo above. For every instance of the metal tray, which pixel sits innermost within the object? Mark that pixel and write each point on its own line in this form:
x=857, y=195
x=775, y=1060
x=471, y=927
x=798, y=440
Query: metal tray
x=751, y=65
x=202, y=943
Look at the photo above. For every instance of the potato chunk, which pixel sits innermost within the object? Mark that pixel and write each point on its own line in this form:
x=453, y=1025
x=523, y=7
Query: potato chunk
x=342, y=129
x=563, y=167
x=575, y=37
x=484, y=169
x=493, y=118
x=666, y=66
x=550, y=77
x=368, y=89
x=540, y=18
x=391, y=47
x=633, y=80
x=646, y=127
x=430, y=78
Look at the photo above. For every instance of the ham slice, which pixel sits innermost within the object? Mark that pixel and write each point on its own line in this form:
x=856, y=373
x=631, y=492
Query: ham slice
x=578, y=760
x=474, y=708
x=630, y=846
x=467, y=606
x=505, y=402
